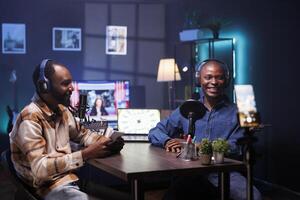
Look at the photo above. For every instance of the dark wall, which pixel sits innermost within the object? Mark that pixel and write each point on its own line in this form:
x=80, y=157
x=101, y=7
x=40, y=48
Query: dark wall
x=271, y=54
x=283, y=71
x=39, y=18
x=139, y=65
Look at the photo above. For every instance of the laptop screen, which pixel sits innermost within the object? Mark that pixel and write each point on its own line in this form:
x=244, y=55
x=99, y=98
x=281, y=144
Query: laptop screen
x=137, y=121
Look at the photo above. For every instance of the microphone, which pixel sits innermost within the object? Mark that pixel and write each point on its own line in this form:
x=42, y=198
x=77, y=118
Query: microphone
x=82, y=106
x=192, y=110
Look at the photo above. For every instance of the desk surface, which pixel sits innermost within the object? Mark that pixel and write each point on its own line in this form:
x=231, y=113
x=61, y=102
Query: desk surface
x=142, y=160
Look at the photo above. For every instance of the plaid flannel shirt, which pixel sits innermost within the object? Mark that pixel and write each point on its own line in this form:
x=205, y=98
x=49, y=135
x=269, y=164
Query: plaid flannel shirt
x=40, y=146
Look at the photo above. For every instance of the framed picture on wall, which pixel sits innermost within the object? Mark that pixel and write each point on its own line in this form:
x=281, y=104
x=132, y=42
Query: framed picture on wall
x=13, y=39
x=116, y=40
x=66, y=39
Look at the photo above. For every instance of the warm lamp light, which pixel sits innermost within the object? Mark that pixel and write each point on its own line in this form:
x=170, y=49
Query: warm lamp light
x=168, y=72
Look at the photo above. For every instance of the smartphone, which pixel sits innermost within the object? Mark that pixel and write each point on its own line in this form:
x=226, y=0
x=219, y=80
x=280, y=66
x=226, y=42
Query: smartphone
x=247, y=112
x=112, y=134
x=115, y=135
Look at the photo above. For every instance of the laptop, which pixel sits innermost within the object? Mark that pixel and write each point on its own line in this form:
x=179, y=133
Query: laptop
x=136, y=123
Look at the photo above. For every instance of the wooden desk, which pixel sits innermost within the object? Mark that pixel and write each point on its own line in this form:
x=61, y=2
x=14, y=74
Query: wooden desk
x=138, y=161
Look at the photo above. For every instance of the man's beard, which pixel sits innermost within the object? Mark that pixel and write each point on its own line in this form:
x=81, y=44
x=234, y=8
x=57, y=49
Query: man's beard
x=63, y=99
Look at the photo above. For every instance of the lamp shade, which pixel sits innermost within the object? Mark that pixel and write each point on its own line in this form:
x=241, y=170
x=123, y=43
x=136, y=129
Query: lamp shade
x=168, y=70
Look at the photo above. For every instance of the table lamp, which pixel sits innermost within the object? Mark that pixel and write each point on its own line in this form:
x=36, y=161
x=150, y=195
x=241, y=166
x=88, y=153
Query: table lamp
x=168, y=72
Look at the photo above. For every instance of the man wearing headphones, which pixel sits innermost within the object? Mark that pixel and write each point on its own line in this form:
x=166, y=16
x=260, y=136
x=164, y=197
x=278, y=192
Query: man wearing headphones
x=40, y=139
x=219, y=121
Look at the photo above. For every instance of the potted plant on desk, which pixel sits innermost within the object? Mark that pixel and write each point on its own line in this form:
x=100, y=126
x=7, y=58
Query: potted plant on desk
x=219, y=148
x=205, y=151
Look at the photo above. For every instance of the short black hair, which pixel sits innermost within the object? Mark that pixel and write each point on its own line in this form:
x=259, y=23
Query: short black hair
x=49, y=71
x=225, y=68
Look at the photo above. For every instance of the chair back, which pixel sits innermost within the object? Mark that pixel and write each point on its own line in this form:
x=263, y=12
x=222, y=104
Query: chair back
x=18, y=182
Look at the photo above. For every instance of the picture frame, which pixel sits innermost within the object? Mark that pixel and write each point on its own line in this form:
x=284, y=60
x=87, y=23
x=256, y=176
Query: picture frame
x=116, y=40
x=66, y=39
x=13, y=38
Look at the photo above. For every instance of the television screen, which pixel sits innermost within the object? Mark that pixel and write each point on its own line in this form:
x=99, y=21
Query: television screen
x=103, y=98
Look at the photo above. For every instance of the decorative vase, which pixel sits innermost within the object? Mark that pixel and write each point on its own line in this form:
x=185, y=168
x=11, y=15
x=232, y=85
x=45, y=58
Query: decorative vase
x=205, y=159
x=218, y=157
x=216, y=34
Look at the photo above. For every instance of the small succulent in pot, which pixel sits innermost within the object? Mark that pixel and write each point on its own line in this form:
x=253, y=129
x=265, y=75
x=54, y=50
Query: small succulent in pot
x=205, y=151
x=205, y=146
x=219, y=147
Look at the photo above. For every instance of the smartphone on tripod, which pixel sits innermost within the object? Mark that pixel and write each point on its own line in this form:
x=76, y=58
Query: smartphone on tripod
x=247, y=113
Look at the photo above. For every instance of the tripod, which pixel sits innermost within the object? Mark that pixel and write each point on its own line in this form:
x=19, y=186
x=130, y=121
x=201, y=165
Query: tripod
x=249, y=157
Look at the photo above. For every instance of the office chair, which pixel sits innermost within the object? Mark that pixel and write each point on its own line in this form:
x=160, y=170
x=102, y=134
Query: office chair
x=23, y=190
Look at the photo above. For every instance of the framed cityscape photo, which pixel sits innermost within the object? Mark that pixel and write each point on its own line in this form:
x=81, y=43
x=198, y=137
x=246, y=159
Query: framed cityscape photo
x=13, y=38
x=66, y=39
x=116, y=40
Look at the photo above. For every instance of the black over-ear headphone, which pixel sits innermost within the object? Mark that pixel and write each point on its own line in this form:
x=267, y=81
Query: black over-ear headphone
x=43, y=84
x=222, y=64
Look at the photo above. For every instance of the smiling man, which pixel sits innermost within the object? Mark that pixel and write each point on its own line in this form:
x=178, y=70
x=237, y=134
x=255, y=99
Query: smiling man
x=219, y=121
x=40, y=139
x=213, y=80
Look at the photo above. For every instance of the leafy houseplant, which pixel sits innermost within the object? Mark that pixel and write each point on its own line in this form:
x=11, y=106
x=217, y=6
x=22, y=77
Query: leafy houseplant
x=219, y=147
x=205, y=151
x=205, y=146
